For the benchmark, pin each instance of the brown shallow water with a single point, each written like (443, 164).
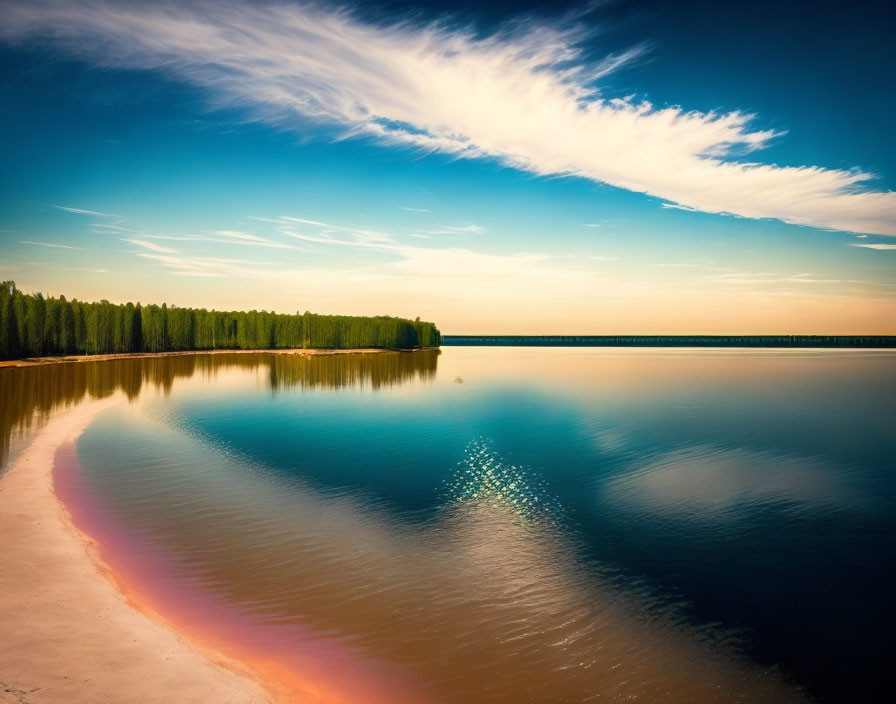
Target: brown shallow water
(364, 529)
(478, 606)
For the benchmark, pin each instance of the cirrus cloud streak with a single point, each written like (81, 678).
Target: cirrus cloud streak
(525, 96)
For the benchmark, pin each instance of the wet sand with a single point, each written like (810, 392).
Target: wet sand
(68, 634)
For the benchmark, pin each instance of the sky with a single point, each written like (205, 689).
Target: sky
(609, 167)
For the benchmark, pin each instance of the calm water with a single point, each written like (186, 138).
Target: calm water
(562, 525)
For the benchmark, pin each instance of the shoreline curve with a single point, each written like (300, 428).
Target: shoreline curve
(71, 636)
(308, 352)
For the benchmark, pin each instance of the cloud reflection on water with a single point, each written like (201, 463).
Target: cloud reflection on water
(709, 483)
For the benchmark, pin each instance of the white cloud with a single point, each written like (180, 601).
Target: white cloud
(678, 206)
(457, 230)
(206, 266)
(416, 210)
(80, 211)
(226, 237)
(325, 233)
(246, 239)
(525, 97)
(408, 269)
(234, 235)
(50, 244)
(756, 280)
(104, 229)
(708, 267)
(152, 246)
(873, 246)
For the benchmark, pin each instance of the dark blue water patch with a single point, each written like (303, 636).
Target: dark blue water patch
(384, 446)
(807, 585)
(400, 449)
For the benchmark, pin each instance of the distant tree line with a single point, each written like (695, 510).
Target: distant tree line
(32, 325)
(670, 340)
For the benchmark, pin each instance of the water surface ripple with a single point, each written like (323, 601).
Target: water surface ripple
(564, 526)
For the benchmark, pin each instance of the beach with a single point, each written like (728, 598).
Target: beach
(70, 359)
(70, 634)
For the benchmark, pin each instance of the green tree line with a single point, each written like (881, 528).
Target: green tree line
(34, 325)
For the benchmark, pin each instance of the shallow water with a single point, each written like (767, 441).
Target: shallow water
(564, 525)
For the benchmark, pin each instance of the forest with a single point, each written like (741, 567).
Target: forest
(34, 325)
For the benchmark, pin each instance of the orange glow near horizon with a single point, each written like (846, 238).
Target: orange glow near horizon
(578, 307)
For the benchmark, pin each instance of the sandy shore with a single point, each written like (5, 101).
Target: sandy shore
(35, 361)
(67, 635)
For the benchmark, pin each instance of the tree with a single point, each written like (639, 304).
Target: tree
(32, 324)
(67, 334)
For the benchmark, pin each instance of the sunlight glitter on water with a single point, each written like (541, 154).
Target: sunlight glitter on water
(484, 477)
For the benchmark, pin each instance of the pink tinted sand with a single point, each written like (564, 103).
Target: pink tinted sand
(93, 611)
(68, 635)
(300, 664)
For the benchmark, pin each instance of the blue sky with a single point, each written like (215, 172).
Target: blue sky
(618, 167)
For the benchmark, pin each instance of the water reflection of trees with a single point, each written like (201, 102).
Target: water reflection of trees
(29, 395)
(336, 371)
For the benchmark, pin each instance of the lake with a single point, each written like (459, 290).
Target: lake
(499, 524)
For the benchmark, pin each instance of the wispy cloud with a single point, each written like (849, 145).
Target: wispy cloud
(524, 96)
(101, 228)
(326, 233)
(873, 246)
(246, 239)
(707, 267)
(407, 266)
(242, 236)
(147, 240)
(81, 211)
(207, 267)
(756, 279)
(50, 244)
(456, 230)
(151, 245)
(226, 237)
(416, 210)
(679, 206)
